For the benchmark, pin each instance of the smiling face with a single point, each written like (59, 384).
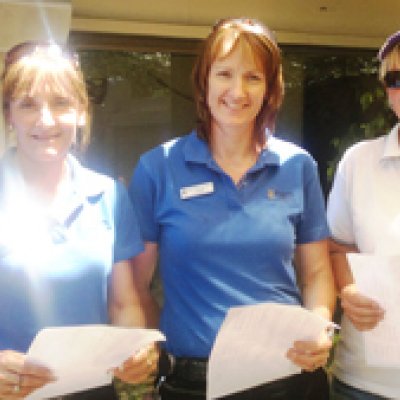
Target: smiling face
(45, 122)
(236, 89)
(44, 101)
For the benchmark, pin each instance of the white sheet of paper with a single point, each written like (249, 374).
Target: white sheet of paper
(251, 346)
(378, 276)
(81, 356)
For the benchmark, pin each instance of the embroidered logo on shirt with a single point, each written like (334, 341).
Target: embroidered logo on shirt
(196, 190)
(273, 194)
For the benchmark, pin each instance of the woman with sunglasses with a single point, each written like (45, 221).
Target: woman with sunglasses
(364, 214)
(66, 233)
(225, 209)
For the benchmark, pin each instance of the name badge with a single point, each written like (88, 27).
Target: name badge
(196, 190)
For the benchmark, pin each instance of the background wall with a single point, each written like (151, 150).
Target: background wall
(340, 23)
(355, 23)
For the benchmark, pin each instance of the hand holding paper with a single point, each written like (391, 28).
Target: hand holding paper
(19, 377)
(311, 354)
(252, 344)
(83, 357)
(139, 366)
(364, 312)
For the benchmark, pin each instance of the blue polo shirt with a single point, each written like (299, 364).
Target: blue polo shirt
(222, 244)
(55, 264)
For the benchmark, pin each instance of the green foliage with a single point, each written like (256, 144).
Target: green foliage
(126, 391)
(343, 103)
(147, 73)
(378, 120)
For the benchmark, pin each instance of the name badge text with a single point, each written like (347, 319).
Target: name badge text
(196, 190)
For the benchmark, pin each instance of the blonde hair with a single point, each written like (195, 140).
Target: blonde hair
(390, 62)
(30, 65)
(225, 37)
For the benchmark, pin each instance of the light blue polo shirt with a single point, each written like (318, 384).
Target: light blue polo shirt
(223, 245)
(54, 267)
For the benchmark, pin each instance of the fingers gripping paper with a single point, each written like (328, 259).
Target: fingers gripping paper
(81, 356)
(251, 346)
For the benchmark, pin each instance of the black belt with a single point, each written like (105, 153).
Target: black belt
(187, 368)
(100, 393)
(190, 369)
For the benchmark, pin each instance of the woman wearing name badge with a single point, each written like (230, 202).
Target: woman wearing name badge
(66, 233)
(225, 209)
(364, 216)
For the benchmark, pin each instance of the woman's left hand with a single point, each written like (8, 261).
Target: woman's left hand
(141, 367)
(311, 355)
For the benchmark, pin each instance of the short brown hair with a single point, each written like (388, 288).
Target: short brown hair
(227, 34)
(29, 64)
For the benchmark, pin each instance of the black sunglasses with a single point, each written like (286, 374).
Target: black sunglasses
(392, 79)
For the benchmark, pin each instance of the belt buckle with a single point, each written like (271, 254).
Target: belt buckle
(166, 363)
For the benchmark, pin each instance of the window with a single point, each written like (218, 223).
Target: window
(333, 99)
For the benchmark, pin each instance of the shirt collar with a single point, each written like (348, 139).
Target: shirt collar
(196, 150)
(391, 147)
(82, 185)
(270, 155)
(84, 181)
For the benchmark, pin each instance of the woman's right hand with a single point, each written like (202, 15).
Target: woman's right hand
(19, 377)
(362, 311)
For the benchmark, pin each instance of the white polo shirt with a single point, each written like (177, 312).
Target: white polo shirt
(364, 209)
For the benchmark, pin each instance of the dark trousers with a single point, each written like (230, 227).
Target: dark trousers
(304, 386)
(341, 391)
(101, 393)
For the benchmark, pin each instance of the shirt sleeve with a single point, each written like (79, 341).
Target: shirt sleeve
(128, 241)
(142, 191)
(313, 224)
(339, 213)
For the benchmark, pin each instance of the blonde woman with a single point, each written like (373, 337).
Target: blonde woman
(66, 233)
(364, 214)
